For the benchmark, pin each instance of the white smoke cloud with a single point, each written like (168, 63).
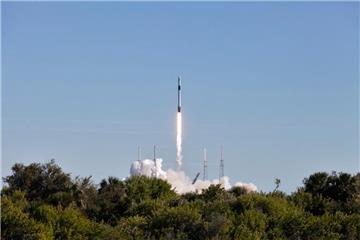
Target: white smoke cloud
(224, 182)
(250, 187)
(178, 179)
(148, 167)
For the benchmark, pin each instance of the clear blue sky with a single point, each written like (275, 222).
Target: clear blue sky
(275, 83)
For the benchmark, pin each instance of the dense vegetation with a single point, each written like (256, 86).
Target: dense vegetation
(40, 201)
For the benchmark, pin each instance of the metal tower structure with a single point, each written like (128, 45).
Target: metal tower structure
(205, 173)
(221, 170)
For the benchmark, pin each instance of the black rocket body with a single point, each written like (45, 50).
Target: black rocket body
(179, 94)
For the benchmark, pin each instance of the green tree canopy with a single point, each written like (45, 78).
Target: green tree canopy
(41, 182)
(40, 201)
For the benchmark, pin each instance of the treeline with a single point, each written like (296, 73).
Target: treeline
(40, 201)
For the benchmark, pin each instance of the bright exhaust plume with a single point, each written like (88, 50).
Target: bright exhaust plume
(179, 140)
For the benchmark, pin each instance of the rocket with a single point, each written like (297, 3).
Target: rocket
(179, 94)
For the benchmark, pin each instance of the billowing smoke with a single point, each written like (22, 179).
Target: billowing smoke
(178, 139)
(249, 187)
(148, 167)
(178, 179)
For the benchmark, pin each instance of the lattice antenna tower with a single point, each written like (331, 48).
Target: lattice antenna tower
(221, 170)
(205, 173)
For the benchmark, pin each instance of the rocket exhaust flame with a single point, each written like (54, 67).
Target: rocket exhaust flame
(178, 139)
(179, 128)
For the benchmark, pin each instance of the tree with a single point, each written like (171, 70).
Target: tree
(39, 201)
(316, 183)
(217, 222)
(41, 182)
(238, 191)
(139, 188)
(72, 224)
(17, 224)
(215, 192)
(322, 227)
(134, 227)
(85, 193)
(251, 225)
(277, 184)
(111, 201)
(340, 187)
(351, 226)
(183, 222)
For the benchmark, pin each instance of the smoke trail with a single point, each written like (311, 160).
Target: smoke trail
(179, 140)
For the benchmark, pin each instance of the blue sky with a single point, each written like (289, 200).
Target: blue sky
(275, 83)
